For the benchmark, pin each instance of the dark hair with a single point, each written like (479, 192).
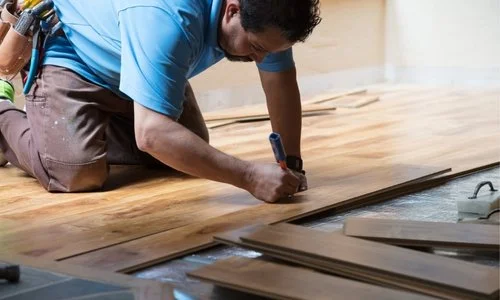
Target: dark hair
(295, 18)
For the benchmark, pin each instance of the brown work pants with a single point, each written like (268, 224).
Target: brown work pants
(73, 129)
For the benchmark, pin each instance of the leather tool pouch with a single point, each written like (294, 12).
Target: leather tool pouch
(15, 49)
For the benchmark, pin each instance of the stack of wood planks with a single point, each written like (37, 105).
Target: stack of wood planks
(364, 260)
(312, 107)
(409, 140)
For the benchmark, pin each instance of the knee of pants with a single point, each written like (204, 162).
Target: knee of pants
(83, 177)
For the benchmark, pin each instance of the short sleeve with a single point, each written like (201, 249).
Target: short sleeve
(277, 62)
(155, 56)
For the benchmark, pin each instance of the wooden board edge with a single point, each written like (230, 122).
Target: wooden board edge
(413, 187)
(138, 267)
(218, 124)
(360, 224)
(409, 187)
(306, 108)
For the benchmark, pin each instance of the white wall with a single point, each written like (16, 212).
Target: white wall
(347, 49)
(443, 41)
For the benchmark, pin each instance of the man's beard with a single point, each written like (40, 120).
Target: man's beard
(236, 58)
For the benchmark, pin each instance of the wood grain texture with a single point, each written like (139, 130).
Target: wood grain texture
(278, 281)
(145, 216)
(357, 256)
(427, 234)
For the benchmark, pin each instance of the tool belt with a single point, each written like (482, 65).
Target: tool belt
(20, 34)
(15, 48)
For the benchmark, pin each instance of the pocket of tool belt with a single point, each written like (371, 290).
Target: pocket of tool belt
(15, 49)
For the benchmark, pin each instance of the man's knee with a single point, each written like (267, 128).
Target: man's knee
(77, 177)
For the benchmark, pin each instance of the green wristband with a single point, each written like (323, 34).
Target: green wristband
(6, 90)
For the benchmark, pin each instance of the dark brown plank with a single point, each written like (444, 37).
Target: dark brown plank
(278, 281)
(402, 264)
(427, 234)
(232, 238)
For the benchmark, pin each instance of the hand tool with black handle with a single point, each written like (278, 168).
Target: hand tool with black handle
(10, 273)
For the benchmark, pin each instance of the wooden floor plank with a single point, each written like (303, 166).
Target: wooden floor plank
(221, 123)
(425, 234)
(441, 273)
(258, 111)
(283, 282)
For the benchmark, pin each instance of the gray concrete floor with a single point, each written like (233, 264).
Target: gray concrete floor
(436, 204)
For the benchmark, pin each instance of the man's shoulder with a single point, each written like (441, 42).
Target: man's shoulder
(189, 15)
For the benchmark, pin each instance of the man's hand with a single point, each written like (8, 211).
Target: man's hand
(269, 183)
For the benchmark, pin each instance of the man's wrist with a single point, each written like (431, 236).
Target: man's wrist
(294, 163)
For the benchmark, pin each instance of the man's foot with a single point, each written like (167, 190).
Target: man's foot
(6, 94)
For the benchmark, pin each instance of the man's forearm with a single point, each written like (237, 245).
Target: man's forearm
(283, 102)
(176, 146)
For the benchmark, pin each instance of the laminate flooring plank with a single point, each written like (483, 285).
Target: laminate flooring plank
(399, 262)
(136, 254)
(305, 114)
(426, 234)
(284, 282)
(258, 111)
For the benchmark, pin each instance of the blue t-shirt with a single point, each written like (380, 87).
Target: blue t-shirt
(144, 50)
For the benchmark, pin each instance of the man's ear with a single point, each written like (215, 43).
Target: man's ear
(232, 10)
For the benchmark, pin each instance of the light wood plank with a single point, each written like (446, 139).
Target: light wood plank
(283, 282)
(217, 124)
(440, 273)
(252, 112)
(426, 234)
